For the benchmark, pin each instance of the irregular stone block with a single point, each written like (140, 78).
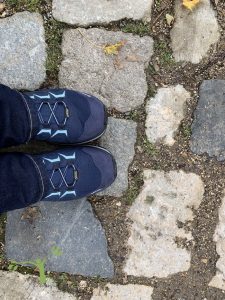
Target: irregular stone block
(71, 226)
(165, 200)
(118, 80)
(194, 32)
(86, 12)
(218, 280)
(119, 139)
(164, 113)
(16, 286)
(208, 128)
(123, 292)
(23, 51)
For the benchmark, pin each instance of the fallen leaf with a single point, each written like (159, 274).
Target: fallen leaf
(169, 19)
(113, 49)
(118, 64)
(204, 260)
(2, 7)
(190, 4)
(132, 58)
(30, 214)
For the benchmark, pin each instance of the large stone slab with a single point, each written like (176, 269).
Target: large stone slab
(119, 80)
(218, 280)
(23, 51)
(71, 226)
(87, 12)
(208, 128)
(119, 139)
(123, 292)
(15, 286)
(165, 200)
(164, 113)
(194, 32)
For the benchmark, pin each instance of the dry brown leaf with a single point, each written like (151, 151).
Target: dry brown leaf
(2, 7)
(132, 58)
(113, 49)
(118, 64)
(190, 4)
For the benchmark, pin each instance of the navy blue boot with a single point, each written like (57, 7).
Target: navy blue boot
(55, 115)
(61, 175)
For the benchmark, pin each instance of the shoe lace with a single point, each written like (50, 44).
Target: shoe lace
(52, 111)
(63, 174)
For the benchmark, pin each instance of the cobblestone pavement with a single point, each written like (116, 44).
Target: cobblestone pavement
(159, 231)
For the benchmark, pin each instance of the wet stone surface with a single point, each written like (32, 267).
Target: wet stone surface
(71, 226)
(208, 128)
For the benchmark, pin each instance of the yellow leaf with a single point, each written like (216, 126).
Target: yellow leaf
(113, 49)
(190, 4)
(169, 19)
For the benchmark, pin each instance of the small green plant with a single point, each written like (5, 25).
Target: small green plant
(53, 32)
(31, 5)
(158, 3)
(164, 53)
(37, 264)
(13, 266)
(134, 115)
(134, 188)
(131, 195)
(186, 130)
(149, 148)
(139, 28)
(149, 199)
(151, 70)
(56, 251)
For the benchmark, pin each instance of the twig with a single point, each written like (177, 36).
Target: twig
(89, 41)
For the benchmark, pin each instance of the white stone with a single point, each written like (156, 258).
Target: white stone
(23, 51)
(165, 200)
(164, 113)
(118, 80)
(87, 12)
(123, 292)
(119, 139)
(218, 280)
(15, 286)
(194, 32)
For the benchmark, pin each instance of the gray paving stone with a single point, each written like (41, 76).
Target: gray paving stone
(218, 281)
(208, 128)
(15, 286)
(194, 32)
(23, 51)
(87, 12)
(71, 226)
(118, 80)
(123, 292)
(120, 138)
(165, 200)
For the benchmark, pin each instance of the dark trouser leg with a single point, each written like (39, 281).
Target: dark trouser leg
(15, 119)
(21, 183)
